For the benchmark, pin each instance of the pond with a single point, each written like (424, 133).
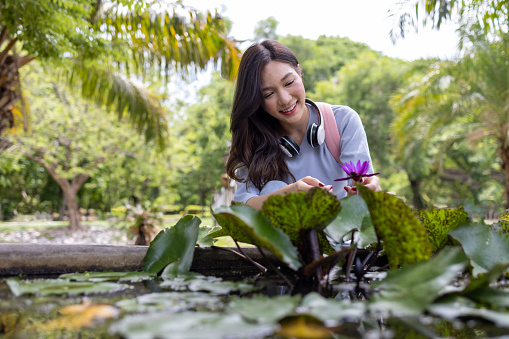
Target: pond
(116, 304)
(385, 271)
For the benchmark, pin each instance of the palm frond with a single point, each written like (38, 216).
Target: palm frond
(129, 100)
(161, 38)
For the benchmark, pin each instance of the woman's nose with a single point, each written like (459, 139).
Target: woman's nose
(285, 97)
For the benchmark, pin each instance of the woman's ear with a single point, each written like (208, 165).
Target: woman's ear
(300, 70)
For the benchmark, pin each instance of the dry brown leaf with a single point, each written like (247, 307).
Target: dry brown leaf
(81, 315)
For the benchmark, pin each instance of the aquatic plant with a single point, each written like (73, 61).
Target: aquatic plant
(404, 238)
(438, 222)
(356, 172)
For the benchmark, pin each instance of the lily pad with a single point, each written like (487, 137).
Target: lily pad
(189, 325)
(108, 276)
(455, 307)
(484, 280)
(265, 310)
(173, 246)
(495, 298)
(354, 215)
(332, 312)
(170, 302)
(221, 287)
(297, 211)
(404, 238)
(411, 289)
(484, 247)
(245, 223)
(214, 285)
(46, 287)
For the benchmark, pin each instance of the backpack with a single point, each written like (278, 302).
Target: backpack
(332, 137)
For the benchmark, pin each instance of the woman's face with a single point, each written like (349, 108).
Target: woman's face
(284, 94)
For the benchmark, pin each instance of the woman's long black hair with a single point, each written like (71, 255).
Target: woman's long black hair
(255, 138)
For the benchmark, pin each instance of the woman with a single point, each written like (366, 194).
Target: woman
(270, 103)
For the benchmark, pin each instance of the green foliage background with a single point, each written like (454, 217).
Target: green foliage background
(424, 131)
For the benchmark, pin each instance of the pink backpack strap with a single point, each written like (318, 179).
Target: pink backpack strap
(332, 137)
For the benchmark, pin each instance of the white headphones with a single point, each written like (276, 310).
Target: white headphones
(315, 135)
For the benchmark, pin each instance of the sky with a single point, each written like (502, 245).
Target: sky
(364, 21)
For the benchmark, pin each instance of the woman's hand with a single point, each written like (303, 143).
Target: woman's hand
(306, 183)
(302, 185)
(373, 183)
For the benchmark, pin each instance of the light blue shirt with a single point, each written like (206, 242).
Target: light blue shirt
(318, 162)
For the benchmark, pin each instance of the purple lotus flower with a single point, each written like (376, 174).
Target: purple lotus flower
(356, 172)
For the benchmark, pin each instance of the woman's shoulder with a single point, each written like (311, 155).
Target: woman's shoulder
(343, 110)
(344, 114)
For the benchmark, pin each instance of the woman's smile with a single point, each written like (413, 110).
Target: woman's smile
(290, 110)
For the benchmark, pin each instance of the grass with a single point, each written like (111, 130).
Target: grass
(7, 226)
(168, 221)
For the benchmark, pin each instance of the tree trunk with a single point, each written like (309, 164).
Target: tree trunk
(74, 212)
(504, 156)
(416, 193)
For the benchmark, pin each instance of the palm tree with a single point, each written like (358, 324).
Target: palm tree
(10, 62)
(472, 92)
(118, 39)
(491, 15)
(108, 48)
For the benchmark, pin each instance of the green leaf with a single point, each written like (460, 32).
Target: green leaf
(495, 298)
(171, 301)
(404, 238)
(484, 247)
(454, 307)
(204, 238)
(301, 211)
(412, 288)
(438, 222)
(265, 310)
(61, 287)
(331, 311)
(484, 280)
(245, 223)
(354, 215)
(189, 325)
(220, 233)
(173, 246)
(108, 276)
(220, 287)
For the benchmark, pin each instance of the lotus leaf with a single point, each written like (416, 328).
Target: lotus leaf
(189, 325)
(354, 215)
(263, 309)
(412, 288)
(108, 276)
(404, 238)
(438, 222)
(483, 246)
(248, 225)
(301, 211)
(173, 248)
(332, 312)
(45, 287)
(455, 307)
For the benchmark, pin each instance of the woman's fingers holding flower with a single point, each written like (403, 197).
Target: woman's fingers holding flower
(373, 183)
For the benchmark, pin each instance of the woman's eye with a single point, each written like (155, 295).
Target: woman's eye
(266, 96)
(291, 82)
